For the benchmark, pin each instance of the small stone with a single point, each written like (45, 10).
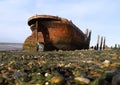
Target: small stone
(19, 74)
(101, 59)
(106, 63)
(38, 73)
(61, 64)
(82, 80)
(11, 62)
(46, 83)
(46, 74)
(68, 65)
(10, 68)
(57, 80)
(93, 67)
(23, 57)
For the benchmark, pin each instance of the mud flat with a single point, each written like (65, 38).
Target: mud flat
(79, 67)
(10, 46)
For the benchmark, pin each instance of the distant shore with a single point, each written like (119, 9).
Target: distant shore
(10, 46)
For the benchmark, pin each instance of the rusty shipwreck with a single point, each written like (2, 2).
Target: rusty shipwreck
(55, 33)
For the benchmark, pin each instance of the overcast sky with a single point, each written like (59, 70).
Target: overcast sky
(101, 16)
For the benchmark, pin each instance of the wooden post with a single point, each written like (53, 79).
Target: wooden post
(104, 43)
(37, 43)
(87, 32)
(101, 44)
(36, 29)
(89, 38)
(97, 46)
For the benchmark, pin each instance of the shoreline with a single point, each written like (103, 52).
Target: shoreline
(10, 46)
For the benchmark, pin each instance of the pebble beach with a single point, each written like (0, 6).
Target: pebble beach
(79, 67)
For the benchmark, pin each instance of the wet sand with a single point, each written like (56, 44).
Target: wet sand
(10, 46)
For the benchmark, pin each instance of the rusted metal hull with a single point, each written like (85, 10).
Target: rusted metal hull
(55, 33)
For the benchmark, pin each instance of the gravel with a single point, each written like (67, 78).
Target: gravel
(59, 67)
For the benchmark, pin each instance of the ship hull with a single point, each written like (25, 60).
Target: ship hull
(55, 34)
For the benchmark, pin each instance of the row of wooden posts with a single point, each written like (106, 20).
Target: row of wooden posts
(117, 46)
(101, 43)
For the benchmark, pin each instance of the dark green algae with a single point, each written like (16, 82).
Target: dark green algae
(31, 68)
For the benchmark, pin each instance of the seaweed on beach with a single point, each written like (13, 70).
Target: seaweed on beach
(79, 67)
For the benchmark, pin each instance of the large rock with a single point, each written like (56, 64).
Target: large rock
(109, 78)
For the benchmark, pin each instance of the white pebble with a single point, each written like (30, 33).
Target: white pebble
(83, 80)
(46, 74)
(106, 62)
(46, 83)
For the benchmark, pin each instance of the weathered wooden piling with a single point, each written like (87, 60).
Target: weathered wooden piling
(104, 43)
(101, 43)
